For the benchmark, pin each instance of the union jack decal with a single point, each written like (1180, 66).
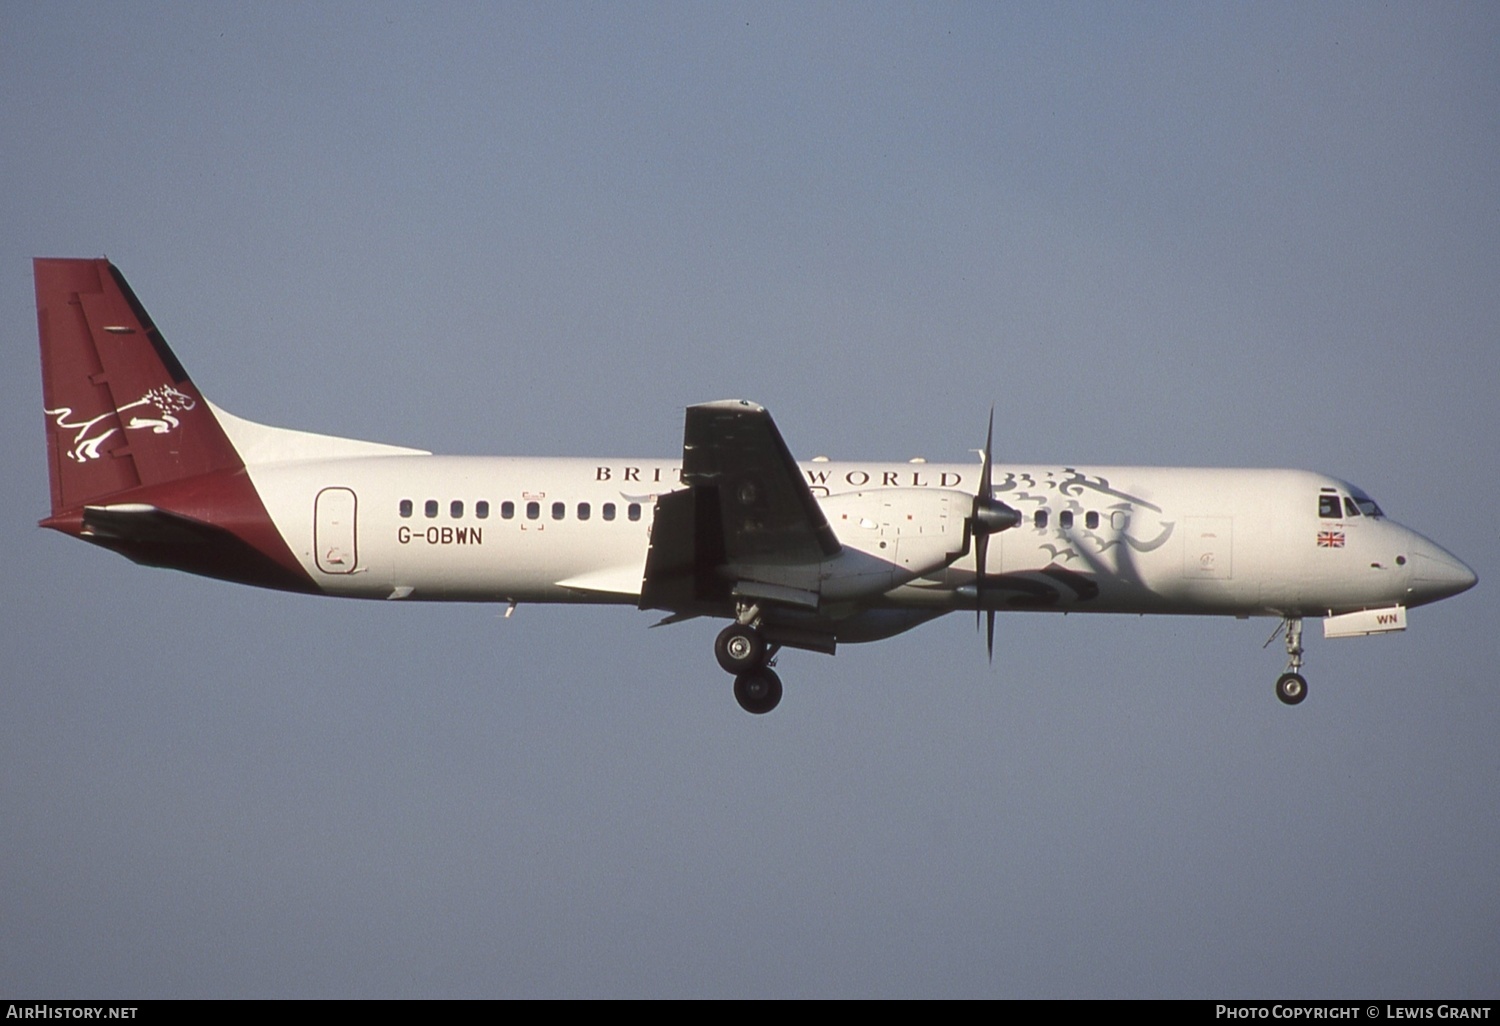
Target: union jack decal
(1330, 539)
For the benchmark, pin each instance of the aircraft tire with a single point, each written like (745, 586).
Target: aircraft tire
(758, 691)
(1291, 688)
(740, 649)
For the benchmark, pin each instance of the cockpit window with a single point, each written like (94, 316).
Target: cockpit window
(1367, 506)
(1328, 507)
(1350, 509)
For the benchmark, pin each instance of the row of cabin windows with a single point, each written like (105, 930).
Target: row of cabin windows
(584, 511)
(1065, 519)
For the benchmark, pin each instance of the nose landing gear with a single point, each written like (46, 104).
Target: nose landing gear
(1291, 687)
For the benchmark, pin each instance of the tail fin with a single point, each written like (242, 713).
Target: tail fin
(138, 459)
(121, 411)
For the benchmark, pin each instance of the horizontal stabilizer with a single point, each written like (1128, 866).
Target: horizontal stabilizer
(139, 522)
(240, 548)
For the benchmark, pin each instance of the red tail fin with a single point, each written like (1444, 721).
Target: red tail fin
(139, 462)
(121, 411)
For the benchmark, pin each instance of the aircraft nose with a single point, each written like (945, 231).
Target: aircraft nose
(1437, 573)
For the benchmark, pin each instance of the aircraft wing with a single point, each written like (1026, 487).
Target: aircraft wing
(768, 513)
(746, 505)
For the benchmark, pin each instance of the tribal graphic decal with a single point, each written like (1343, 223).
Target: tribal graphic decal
(166, 400)
(1082, 518)
(1071, 484)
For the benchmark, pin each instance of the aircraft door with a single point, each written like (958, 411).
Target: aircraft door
(1208, 549)
(334, 534)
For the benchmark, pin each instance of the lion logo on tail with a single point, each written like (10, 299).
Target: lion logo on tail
(164, 399)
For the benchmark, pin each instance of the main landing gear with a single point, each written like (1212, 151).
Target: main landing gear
(742, 650)
(1291, 686)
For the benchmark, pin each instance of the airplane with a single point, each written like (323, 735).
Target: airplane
(801, 555)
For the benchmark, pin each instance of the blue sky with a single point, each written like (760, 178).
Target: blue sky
(1238, 235)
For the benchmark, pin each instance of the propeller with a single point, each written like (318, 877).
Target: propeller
(990, 516)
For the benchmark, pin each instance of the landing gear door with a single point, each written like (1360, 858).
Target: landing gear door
(334, 535)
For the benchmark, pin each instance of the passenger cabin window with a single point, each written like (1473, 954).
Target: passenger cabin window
(533, 510)
(1328, 507)
(406, 507)
(1065, 519)
(583, 511)
(507, 509)
(609, 511)
(482, 509)
(456, 509)
(634, 511)
(1040, 520)
(558, 510)
(1091, 520)
(430, 508)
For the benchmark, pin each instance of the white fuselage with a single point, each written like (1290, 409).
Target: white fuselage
(1139, 539)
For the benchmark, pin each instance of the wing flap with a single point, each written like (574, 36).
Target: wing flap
(778, 593)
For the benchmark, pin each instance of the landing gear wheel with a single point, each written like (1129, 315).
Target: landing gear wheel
(1291, 688)
(758, 691)
(740, 649)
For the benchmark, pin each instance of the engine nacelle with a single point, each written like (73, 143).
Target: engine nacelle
(898, 534)
(888, 537)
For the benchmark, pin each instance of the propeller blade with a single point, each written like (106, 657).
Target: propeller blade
(989, 516)
(989, 449)
(981, 552)
(983, 523)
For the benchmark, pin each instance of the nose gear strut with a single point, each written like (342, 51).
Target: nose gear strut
(1291, 686)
